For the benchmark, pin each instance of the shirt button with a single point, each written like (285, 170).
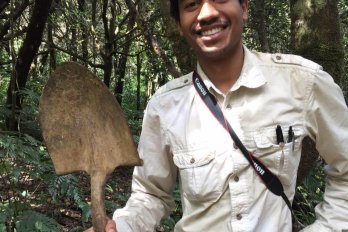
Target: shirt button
(278, 57)
(192, 161)
(229, 106)
(185, 81)
(236, 178)
(239, 217)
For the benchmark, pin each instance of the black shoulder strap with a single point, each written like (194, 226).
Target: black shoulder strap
(271, 181)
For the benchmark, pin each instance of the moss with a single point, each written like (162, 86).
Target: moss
(329, 55)
(303, 9)
(320, 4)
(317, 36)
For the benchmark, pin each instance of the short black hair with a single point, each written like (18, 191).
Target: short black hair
(174, 9)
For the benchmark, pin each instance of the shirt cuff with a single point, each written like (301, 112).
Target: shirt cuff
(122, 225)
(315, 227)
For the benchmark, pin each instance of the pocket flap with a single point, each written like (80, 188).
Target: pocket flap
(193, 159)
(264, 140)
(259, 139)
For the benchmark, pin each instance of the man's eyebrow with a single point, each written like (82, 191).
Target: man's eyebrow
(184, 1)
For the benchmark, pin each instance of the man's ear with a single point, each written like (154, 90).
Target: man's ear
(245, 7)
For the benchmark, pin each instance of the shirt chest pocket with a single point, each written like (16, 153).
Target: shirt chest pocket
(281, 159)
(198, 175)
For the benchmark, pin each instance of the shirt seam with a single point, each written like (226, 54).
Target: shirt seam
(309, 92)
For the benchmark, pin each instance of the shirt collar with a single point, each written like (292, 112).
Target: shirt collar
(251, 75)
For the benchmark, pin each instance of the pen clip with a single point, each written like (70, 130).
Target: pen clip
(291, 137)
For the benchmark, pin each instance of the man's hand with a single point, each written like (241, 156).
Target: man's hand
(110, 227)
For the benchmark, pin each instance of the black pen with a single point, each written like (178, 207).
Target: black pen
(290, 134)
(279, 133)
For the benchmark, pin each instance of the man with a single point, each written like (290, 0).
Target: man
(257, 93)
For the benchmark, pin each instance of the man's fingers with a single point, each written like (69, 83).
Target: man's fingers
(110, 226)
(89, 230)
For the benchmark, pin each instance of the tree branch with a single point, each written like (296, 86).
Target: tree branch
(15, 15)
(152, 41)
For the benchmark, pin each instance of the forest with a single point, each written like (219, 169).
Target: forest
(133, 47)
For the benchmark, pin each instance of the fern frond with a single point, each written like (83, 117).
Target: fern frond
(36, 222)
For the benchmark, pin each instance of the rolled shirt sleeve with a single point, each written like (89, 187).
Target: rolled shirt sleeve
(327, 124)
(153, 182)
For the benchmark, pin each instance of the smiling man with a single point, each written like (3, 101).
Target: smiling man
(214, 30)
(232, 132)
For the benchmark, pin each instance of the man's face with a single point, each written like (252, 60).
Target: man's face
(213, 27)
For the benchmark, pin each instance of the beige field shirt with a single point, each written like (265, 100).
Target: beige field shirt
(219, 189)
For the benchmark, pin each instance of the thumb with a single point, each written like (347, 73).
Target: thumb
(110, 226)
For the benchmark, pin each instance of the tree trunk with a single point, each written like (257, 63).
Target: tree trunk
(316, 35)
(108, 48)
(73, 43)
(84, 30)
(26, 56)
(14, 15)
(122, 61)
(260, 16)
(50, 45)
(152, 41)
(138, 81)
(94, 25)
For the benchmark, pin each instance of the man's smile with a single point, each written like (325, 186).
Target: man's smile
(211, 31)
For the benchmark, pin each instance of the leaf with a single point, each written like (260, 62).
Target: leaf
(2, 228)
(34, 221)
(86, 211)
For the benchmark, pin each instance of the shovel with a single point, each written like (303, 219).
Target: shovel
(84, 129)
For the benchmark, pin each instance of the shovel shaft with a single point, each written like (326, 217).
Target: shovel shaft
(99, 219)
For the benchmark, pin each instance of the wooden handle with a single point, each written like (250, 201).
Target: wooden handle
(99, 219)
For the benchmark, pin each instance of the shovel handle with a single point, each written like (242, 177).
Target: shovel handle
(99, 219)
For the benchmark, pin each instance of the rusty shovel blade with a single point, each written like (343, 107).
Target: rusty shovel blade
(84, 129)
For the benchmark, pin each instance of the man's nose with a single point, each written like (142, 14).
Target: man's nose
(207, 12)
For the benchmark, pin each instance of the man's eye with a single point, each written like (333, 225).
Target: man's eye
(191, 5)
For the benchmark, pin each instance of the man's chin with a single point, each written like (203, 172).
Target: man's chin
(213, 53)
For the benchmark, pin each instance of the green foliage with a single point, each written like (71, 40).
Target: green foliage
(277, 23)
(25, 162)
(9, 212)
(309, 194)
(27, 171)
(34, 221)
(26, 220)
(168, 223)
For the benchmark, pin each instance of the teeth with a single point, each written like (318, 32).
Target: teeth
(212, 31)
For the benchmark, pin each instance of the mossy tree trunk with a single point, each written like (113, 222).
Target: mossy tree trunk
(315, 34)
(24, 60)
(260, 16)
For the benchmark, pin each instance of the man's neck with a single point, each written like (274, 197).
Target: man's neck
(224, 73)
